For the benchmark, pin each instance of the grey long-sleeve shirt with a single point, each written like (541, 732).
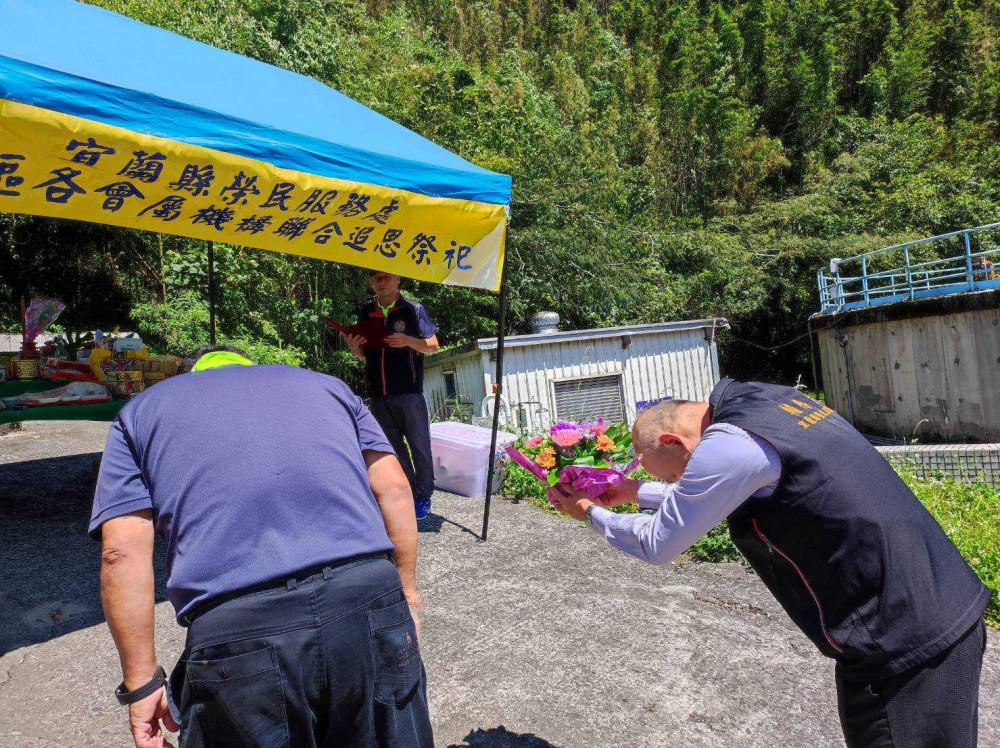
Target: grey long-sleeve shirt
(727, 467)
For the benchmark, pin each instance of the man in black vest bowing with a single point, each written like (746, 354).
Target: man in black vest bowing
(394, 375)
(841, 542)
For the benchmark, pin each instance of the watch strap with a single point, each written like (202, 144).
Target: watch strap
(130, 697)
(589, 515)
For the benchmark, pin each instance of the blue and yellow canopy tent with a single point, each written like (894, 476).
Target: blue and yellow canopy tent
(108, 120)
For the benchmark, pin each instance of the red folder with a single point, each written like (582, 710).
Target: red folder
(373, 332)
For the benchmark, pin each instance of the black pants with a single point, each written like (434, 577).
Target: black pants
(406, 416)
(328, 660)
(933, 705)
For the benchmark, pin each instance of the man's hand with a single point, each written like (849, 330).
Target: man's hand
(416, 610)
(144, 720)
(355, 343)
(626, 492)
(399, 340)
(572, 503)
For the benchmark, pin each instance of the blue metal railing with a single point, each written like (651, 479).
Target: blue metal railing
(891, 274)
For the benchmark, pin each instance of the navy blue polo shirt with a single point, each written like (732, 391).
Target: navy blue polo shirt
(252, 473)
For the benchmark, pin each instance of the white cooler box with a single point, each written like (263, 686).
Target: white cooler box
(461, 454)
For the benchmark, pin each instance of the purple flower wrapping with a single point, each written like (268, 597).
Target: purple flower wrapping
(527, 464)
(590, 480)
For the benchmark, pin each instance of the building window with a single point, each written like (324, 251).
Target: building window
(450, 385)
(589, 399)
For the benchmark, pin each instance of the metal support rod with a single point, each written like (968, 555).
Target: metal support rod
(812, 358)
(501, 327)
(909, 273)
(211, 293)
(970, 276)
(864, 278)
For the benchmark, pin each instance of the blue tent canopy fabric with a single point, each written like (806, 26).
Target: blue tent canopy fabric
(81, 59)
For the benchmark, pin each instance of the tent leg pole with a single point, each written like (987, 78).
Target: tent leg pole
(211, 293)
(501, 327)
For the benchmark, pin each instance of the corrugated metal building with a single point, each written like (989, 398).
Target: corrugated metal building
(577, 374)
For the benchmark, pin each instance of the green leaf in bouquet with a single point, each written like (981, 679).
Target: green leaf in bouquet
(588, 460)
(552, 478)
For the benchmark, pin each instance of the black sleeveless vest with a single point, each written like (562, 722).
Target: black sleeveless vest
(394, 371)
(843, 544)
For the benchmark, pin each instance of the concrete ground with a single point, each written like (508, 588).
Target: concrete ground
(543, 636)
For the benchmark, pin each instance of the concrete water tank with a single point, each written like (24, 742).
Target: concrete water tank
(542, 322)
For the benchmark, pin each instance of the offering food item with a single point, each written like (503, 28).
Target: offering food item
(77, 393)
(124, 382)
(57, 369)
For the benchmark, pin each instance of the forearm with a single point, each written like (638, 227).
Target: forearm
(127, 597)
(359, 354)
(654, 538)
(651, 494)
(426, 346)
(401, 526)
(395, 501)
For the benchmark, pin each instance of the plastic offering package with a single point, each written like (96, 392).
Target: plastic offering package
(461, 456)
(57, 369)
(40, 314)
(77, 393)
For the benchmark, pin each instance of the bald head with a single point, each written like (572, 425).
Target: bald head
(662, 418)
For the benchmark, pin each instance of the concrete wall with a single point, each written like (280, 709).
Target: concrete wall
(899, 372)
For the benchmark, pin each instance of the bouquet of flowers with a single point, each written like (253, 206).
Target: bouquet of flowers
(588, 456)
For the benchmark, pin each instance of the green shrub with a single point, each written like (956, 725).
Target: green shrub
(970, 514)
(181, 325)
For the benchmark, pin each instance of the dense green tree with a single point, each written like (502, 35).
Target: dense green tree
(671, 159)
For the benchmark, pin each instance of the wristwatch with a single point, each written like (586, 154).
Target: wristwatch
(130, 697)
(589, 514)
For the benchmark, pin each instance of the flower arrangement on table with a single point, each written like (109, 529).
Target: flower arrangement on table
(589, 456)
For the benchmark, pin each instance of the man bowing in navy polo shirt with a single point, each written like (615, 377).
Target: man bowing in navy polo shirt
(291, 552)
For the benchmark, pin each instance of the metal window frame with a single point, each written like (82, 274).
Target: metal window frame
(552, 381)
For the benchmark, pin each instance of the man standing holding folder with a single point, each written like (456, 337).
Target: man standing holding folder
(394, 369)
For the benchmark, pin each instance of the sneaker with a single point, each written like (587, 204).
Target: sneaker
(423, 507)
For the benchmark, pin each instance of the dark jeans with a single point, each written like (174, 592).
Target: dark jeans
(933, 705)
(406, 416)
(327, 660)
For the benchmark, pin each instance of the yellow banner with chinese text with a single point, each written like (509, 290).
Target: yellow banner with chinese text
(54, 164)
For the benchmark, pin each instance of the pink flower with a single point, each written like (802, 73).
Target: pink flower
(566, 437)
(534, 441)
(600, 428)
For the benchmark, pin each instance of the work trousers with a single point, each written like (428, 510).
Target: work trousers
(934, 705)
(327, 660)
(406, 423)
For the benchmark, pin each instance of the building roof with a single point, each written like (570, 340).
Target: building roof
(569, 336)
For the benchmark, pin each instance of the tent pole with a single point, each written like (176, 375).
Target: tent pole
(501, 327)
(211, 293)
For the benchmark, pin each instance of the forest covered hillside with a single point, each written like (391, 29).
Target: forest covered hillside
(671, 159)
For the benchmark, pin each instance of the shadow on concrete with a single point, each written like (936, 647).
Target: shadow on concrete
(501, 737)
(434, 522)
(49, 567)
